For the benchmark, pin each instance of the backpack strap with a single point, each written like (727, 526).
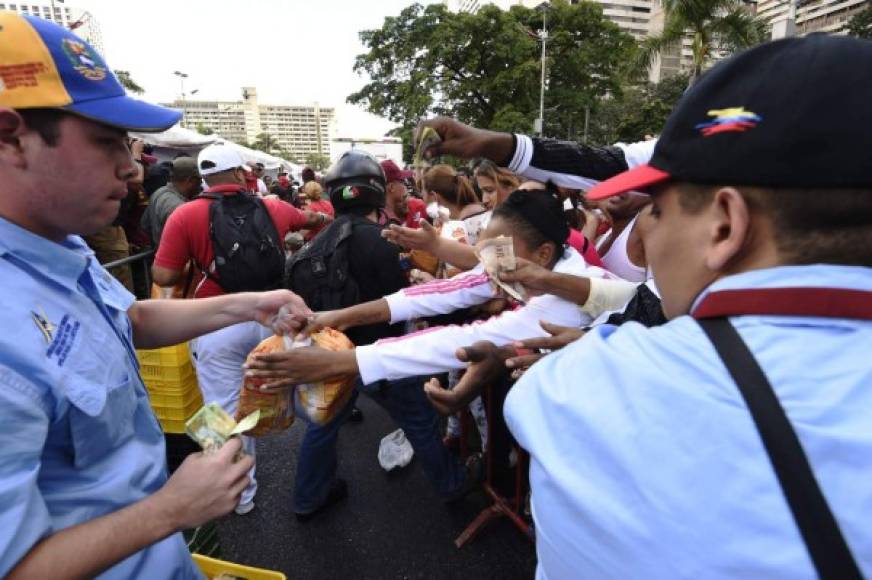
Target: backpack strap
(214, 196)
(266, 224)
(821, 533)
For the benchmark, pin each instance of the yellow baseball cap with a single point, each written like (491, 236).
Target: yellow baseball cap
(43, 65)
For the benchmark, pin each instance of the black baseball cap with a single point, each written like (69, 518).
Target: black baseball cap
(791, 113)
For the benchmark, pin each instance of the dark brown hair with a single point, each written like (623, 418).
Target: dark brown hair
(812, 226)
(46, 122)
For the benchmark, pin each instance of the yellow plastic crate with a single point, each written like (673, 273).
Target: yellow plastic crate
(178, 389)
(176, 426)
(182, 412)
(211, 568)
(174, 399)
(166, 375)
(169, 356)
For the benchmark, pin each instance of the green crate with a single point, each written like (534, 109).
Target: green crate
(169, 356)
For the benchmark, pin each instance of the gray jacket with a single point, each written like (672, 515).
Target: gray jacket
(163, 202)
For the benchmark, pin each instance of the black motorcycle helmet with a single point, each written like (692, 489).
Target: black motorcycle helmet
(355, 180)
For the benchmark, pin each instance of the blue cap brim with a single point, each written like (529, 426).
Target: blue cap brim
(127, 113)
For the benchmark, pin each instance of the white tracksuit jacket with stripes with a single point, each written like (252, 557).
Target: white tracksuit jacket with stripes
(433, 350)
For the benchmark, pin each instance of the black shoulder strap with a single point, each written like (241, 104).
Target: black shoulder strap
(830, 553)
(265, 224)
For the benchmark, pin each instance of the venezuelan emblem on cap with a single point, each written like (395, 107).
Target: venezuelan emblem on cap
(734, 119)
(84, 59)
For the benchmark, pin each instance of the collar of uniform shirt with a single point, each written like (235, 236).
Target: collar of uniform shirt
(811, 276)
(63, 263)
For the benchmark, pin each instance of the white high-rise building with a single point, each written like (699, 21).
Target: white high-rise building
(300, 130)
(829, 16)
(811, 15)
(675, 59)
(80, 21)
(631, 16)
(474, 5)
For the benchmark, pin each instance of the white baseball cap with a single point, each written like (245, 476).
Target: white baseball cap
(220, 157)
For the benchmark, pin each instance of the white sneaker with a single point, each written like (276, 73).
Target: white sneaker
(244, 508)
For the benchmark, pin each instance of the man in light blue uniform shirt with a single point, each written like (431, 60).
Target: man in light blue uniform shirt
(83, 485)
(645, 460)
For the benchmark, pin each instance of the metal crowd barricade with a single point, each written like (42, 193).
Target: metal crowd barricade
(139, 264)
(501, 507)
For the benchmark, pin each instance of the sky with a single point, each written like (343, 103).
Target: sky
(293, 51)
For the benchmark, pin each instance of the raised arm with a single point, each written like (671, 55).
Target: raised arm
(427, 239)
(566, 163)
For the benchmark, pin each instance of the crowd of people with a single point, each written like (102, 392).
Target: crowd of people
(679, 345)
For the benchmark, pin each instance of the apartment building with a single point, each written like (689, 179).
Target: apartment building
(810, 15)
(632, 16)
(298, 129)
(81, 21)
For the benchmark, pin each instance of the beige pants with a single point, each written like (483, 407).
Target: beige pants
(110, 244)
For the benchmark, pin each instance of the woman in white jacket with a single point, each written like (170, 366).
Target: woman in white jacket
(536, 223)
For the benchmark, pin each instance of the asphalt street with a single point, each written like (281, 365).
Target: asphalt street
(391, 526)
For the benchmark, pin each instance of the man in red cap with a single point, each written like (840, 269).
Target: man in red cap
(401, 207)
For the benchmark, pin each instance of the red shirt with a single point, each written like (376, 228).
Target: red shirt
(583, 246)
(417, 213)
(186, 235)
(320, 206)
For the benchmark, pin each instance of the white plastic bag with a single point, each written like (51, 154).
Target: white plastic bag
(395, 451)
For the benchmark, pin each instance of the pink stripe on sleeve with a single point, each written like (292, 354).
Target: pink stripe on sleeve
(444, 287)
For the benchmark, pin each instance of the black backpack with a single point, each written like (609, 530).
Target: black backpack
(248, 252)
(319, 272)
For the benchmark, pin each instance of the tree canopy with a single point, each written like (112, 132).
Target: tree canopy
(317, 162)
(860, 25)
(641, 111)
(712, 25)
(264, 142)
(484, 68)
(127, 82)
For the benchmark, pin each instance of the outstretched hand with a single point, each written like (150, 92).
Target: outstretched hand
(424, 238)
(560, 337)
(282, 310)
(464, 141)
(486, 365)
(533, 277)
(308, 364)
(326, 319)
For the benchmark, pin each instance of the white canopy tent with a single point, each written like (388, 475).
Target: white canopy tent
(168, 144)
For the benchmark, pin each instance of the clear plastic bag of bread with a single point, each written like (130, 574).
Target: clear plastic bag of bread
(316, 403)
(320, 402)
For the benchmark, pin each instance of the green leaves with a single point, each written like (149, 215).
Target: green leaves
(640, 111)
(713, 26)
(127, 82)
(485, 68)
(860, 24)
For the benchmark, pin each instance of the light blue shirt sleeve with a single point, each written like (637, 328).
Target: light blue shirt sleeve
(24, 517)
